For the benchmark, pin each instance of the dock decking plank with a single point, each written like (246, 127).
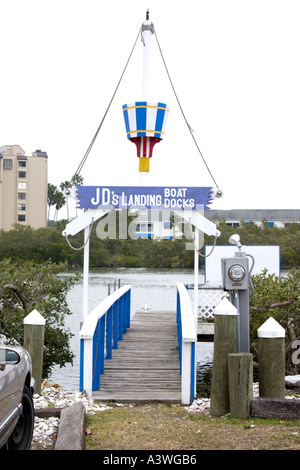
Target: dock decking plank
(145, 367)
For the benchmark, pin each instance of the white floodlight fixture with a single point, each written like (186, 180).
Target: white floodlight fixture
(235, 240)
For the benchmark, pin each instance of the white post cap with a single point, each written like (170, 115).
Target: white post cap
(34, 318)
(271, 329)
(225, 307)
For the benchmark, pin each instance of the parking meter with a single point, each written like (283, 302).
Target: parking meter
(236, 279)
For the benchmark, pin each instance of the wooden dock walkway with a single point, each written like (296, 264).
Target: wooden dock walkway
(145, 367)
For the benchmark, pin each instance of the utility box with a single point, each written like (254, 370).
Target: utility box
(235, 272)
(236, 278)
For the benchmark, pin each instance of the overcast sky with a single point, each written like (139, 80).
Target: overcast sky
(234, 65)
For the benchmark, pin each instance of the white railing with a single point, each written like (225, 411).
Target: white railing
(187, 340)
(99, 335)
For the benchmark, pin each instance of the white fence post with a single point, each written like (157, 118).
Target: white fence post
(188, 335)
(88, 366)
(34, 330)
(271, 359)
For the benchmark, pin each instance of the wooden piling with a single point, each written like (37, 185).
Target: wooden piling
(34, 326)
(225, 342)
(271, 359)
(240, 377)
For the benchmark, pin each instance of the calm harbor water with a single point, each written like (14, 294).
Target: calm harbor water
(156, 288)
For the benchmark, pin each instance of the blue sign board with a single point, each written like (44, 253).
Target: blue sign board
(143, 197)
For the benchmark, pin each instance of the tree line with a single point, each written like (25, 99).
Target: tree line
(23, 243)
(147, 253)
(252, 234)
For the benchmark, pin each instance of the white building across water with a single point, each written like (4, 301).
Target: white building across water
(281, 218)
(161, 224)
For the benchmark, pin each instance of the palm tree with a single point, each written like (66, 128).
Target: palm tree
(60, 201)
(65, 187)
(77, 180)
(51, 197)
(55, 198)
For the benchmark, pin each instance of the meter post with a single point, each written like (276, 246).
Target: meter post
(235, 275)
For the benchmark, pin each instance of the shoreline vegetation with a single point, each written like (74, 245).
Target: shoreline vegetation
(23, 243)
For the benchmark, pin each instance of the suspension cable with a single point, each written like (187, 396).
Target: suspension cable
(194, 242)
(177, 99)
(105, 114)
(86, 241)
(188, 126)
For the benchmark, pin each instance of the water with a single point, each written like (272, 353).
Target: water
(157, 288)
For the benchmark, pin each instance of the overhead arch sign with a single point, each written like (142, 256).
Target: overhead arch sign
(144, 197)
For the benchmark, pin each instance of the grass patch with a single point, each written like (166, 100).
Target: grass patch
(162, 427)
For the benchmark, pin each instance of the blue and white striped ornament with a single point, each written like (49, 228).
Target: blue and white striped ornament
(143, 119)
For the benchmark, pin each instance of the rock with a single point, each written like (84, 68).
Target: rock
(292, 381)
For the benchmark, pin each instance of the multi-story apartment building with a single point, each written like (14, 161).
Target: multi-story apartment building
(23, 187)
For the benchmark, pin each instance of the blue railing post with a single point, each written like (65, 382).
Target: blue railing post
(179, 330)
(115, 324)
(109, 334)
(81, 371)
(193, 370)
(96, 357)
(120, 321)
(102, 343)
(124, 323)
(127, 306)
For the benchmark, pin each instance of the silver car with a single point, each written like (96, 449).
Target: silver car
(16, 403)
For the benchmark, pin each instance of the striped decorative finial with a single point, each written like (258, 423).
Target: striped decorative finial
(145, 126)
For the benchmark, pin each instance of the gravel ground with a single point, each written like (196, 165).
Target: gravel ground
(53, 396)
